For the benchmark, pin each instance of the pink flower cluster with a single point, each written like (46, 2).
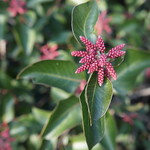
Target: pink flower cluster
(102, 24)
(95, 58)
(5, 139)
(16, 7)
(49, 51)
(129, 118)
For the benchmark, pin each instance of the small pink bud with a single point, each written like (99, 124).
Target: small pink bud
(100, 76)
(88, 58)
(111, 70)
(89, 45)
(100, 44)
(82, 68)
(79, 53)
(102, 60)
(93, 67)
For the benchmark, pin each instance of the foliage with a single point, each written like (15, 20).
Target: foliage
(39, 100)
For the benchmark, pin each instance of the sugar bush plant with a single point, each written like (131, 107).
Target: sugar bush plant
(50, 98)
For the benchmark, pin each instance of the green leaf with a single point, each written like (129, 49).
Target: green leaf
(24, 125)
(78, 142)
(84, 17)
(63, 55)
(7, 108)
(3, 20)
(93, 133)
(17, 131)
(33, 3)
(135, 62)
(98, 98)
(40, 115)
(5, 80)
(109, 140)
(48, 144)
(62, 37)
(58, 97)
(55, 73)
(25, 37)
(76, 2)
(65, 116)
(30, 17)
(118, 61)
(4, 7)
(35, 141)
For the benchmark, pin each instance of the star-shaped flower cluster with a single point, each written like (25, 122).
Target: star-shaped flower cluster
(102, 23)
(17, 7)
(5, 139)
(49, 51)
(96, 59)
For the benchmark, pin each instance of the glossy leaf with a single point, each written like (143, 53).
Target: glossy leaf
(58, 97)
(135, 62)
(84, 17)
(63, 55)
(24, 126)
(25, 37)
(62, 38)
(98, 98)
(3, 20)
(77, 2)
(78, 142)
(7, 108)
(30, 18)
(33, 3)
(3, 7)
(109, 140)
(65, 116)
(40, 115)
(118, 61)
(17, 131)
(55, 73)
(95, 132)
(48, 144)
(5, 80)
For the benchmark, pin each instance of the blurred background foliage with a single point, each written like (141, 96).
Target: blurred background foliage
(26, 107)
